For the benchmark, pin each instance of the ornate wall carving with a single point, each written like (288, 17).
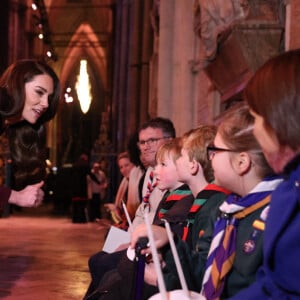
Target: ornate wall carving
(244, 34)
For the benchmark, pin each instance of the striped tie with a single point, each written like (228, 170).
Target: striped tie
(223, 257)
(150, 187)
(222, 250)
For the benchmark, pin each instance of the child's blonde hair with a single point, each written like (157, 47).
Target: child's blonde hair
(195, 143)
(171, 148)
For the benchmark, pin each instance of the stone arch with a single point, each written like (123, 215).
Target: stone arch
(84, 43)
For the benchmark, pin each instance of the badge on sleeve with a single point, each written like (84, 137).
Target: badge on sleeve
(249, 246)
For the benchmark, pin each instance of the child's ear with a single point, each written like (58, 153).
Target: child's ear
(243, 163)
(194, 167)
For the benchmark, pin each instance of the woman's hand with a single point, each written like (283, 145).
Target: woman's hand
(30, 196)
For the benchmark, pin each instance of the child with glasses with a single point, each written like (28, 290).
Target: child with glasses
(235, 253)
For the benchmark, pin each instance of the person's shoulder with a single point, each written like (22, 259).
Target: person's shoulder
(213, 193)
(217, 189)
(136, 172)
(180, 209)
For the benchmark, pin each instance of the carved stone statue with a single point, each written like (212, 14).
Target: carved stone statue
(216, 17)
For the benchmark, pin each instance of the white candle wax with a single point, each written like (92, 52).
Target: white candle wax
(127, 216)
(176, 259)
(160, 279)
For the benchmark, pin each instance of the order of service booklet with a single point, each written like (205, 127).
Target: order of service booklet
(115, 238)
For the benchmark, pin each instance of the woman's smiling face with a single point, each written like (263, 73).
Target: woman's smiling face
(37, 92)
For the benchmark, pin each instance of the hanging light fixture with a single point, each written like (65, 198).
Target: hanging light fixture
(83, 87)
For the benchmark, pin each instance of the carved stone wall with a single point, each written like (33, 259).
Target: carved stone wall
(246, 49)
(244, 46)
(294, 24)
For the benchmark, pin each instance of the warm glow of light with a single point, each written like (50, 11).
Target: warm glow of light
(83, 87)
(68, 97)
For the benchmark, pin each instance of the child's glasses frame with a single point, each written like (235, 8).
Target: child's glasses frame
(212, 150)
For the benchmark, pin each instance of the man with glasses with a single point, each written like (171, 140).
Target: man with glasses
(152, 135)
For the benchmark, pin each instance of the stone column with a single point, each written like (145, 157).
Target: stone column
(140, 50)
(177, 83)
(120, 103)
(131, 62)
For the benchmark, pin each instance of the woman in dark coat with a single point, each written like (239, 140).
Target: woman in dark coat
(29, 95)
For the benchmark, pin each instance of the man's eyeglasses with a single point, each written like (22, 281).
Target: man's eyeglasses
(151, 142)
(211, 151)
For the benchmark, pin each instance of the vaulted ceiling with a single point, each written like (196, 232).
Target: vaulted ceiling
(81, 29)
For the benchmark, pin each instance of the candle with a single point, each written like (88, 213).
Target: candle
(127, 216)
(160, 279)
(176, 259)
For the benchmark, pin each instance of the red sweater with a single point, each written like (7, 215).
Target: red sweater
(4, 196)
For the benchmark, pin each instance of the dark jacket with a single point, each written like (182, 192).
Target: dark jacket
(190, 259)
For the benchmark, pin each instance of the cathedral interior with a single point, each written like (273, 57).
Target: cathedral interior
(184, 60)
(144, 59)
